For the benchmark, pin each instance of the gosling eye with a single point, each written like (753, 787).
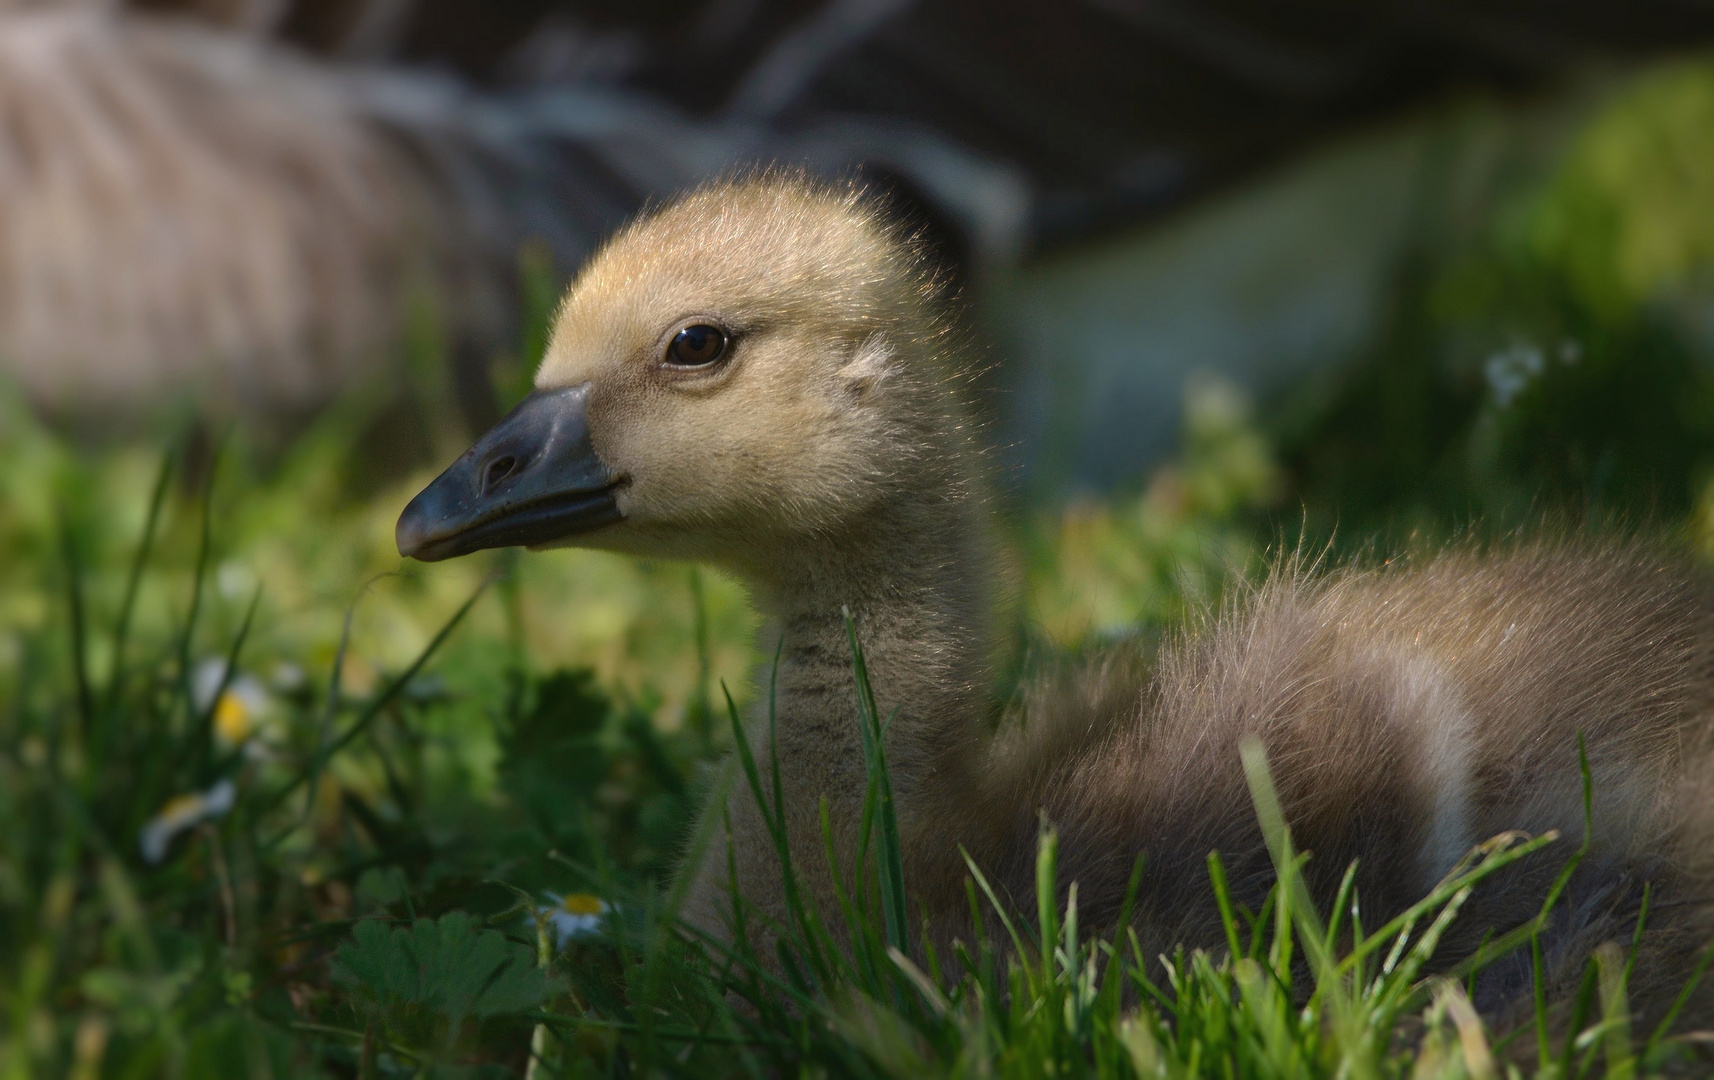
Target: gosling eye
(697, 346)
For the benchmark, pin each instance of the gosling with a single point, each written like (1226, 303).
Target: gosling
(763, 376)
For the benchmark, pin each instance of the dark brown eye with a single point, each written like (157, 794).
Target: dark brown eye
(697, 345)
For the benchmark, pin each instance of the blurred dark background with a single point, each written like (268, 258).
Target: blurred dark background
(1108, 111)
(249, 204)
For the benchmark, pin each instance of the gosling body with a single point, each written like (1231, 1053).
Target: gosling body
(761, 376)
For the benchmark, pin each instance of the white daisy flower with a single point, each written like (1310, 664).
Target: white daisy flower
(242, 706)
(574, 915)
(182, 813)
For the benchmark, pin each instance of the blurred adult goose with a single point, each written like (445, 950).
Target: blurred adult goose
(761, 376)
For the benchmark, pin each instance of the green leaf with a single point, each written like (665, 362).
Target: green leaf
(424, 981)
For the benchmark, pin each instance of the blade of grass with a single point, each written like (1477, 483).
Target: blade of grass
(368, 714)
(201, 741)
(1637, 932)
(330, 704)
(999, 910)
(398, 684)
(865, 966)
(1615, 1011)
(199, 578)
(702, 708)
(1443, 892)
(775, 821)
(1651, 1048)
(1297, 906)
(1473, 1043)
(1112, 974)
(890, 869)
(1047, 901)
(79, 636)
(1537, 966)
(1223, 899)
(1582, 1004)
(134, 581)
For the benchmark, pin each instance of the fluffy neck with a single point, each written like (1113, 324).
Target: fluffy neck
(917, 581)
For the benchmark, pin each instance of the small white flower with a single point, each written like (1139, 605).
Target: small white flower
(1510, 371)
(242, 706)
(182, 813)
(574, 915)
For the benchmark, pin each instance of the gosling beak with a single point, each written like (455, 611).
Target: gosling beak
(531, 479)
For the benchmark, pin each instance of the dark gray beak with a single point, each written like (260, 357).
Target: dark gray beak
(533, 478)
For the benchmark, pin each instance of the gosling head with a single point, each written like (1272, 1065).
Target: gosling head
(755, 367)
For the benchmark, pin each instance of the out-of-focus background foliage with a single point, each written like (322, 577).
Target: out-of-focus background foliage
(1249, 276)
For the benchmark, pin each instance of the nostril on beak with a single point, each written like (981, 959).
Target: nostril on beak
(498, 470)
